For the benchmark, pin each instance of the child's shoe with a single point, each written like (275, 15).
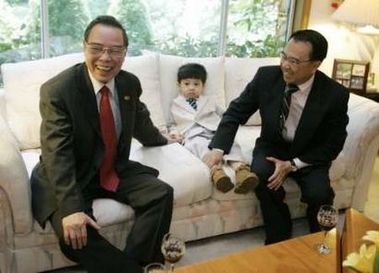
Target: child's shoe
(245, 180)
(220, 180)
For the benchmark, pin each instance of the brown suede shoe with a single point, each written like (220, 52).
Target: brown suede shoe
(245, 180)
(220, 180)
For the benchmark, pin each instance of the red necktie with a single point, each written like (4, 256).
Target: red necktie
(108, 176)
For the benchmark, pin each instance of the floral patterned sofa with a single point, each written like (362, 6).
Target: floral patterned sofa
(199, 210)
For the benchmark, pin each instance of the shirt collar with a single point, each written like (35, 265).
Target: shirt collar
(181, 95)
(98, 85)
(306, 87)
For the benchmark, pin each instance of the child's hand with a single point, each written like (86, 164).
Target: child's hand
(172, 138)
(213, 158)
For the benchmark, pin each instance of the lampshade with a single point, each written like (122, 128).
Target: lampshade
(364, 14)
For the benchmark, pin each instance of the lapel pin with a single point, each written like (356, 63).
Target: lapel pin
(127, 98)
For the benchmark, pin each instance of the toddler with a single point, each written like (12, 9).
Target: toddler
(195, 118)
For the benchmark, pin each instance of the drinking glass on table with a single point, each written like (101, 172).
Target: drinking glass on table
(173, 249)
(327, 219)
(154, 268)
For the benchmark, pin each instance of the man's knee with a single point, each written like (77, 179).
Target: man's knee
(321, 196)
(169, 194)
(167, 189)
(263, 171)
(162, 192)
(264, 194)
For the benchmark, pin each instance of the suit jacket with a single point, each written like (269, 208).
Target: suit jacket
(207, 115)
(71, 143)
(321, 131)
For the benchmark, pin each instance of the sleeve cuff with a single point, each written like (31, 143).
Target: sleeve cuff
(300, 164)
(218, 150)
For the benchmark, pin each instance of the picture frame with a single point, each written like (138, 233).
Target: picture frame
(352, 74)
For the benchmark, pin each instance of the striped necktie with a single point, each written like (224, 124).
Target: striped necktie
(192, 102)
(286, 103)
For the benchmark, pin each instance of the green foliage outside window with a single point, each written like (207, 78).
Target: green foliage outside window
(133, 16)
(8, 29)
(256, 28)
(67, 22)
(15, 2)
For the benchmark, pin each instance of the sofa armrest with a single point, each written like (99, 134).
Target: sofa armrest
(361, 146)
(14, 184)
(2, 103)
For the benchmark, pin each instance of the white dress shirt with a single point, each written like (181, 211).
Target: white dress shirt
(298, 100)
(113, 99)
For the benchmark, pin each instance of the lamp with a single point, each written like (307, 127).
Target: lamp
(364, 14)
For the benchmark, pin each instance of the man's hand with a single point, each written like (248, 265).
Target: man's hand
(172, 138)
(282, 168)
(213, 158)
(75, 229)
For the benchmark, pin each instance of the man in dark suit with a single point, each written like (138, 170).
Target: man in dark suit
(301, 142)
(90, 113)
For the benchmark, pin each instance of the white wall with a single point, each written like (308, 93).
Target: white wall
(344, 42)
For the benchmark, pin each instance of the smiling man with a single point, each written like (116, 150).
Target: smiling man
(304, 119)
(90, 113)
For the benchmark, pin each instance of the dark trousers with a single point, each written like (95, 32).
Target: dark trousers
(152, 201)
(315, 189)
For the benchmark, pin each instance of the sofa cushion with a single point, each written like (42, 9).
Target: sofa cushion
(147, 70)
(189, 177)
(109, 212)
(106, 211)
(22, 82)
(238, 73)
(186, 173)
(168, 68)
(183, 171)
(21, 90)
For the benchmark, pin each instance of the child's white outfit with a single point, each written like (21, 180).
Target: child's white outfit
(198, 126)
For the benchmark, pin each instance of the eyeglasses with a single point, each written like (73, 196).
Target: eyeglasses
(292, 61)
(97, 50)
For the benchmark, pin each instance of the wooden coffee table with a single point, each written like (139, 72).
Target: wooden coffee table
(356, 225)
(298, 255)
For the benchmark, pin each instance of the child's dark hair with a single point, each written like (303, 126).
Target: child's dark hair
(192, 71)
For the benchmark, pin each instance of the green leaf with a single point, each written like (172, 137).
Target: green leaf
(376, 261)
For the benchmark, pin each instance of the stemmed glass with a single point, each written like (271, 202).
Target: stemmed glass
(173, 249)
(154, 268)
(327, 219)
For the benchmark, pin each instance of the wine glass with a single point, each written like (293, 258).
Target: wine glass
(173, 249)
(154, 268)
(327, 218)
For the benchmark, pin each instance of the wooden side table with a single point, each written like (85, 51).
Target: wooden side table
(355, 227)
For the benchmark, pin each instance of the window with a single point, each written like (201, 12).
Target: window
(33, 29)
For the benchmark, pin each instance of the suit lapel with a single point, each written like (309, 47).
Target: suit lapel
(125, 100)
(273, 104)
(311, 115)
(202, 101)
(87, 94)
(182, 102)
